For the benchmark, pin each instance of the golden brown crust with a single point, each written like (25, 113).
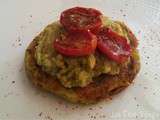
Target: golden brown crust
(107, 86)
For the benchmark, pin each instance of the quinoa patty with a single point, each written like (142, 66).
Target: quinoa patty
(103, 87)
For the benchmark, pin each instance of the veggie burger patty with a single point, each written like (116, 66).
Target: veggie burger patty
(101, 59)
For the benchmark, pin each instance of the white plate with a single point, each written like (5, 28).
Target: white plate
(22, 20)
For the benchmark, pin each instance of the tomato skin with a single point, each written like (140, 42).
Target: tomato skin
(79, 18)
(76, 44)
(113, 45)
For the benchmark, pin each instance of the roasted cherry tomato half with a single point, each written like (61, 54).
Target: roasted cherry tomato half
(76, 44)
(113, 45)
(79, 18)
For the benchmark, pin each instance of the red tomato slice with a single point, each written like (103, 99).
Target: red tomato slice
(79, 18)
(113, 45)
(76, 44)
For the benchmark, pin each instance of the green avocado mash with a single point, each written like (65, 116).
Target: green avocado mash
(71, 71)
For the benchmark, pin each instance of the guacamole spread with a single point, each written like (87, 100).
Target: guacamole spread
(74, 71)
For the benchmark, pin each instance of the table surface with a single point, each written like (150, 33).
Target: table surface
(22, 20)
